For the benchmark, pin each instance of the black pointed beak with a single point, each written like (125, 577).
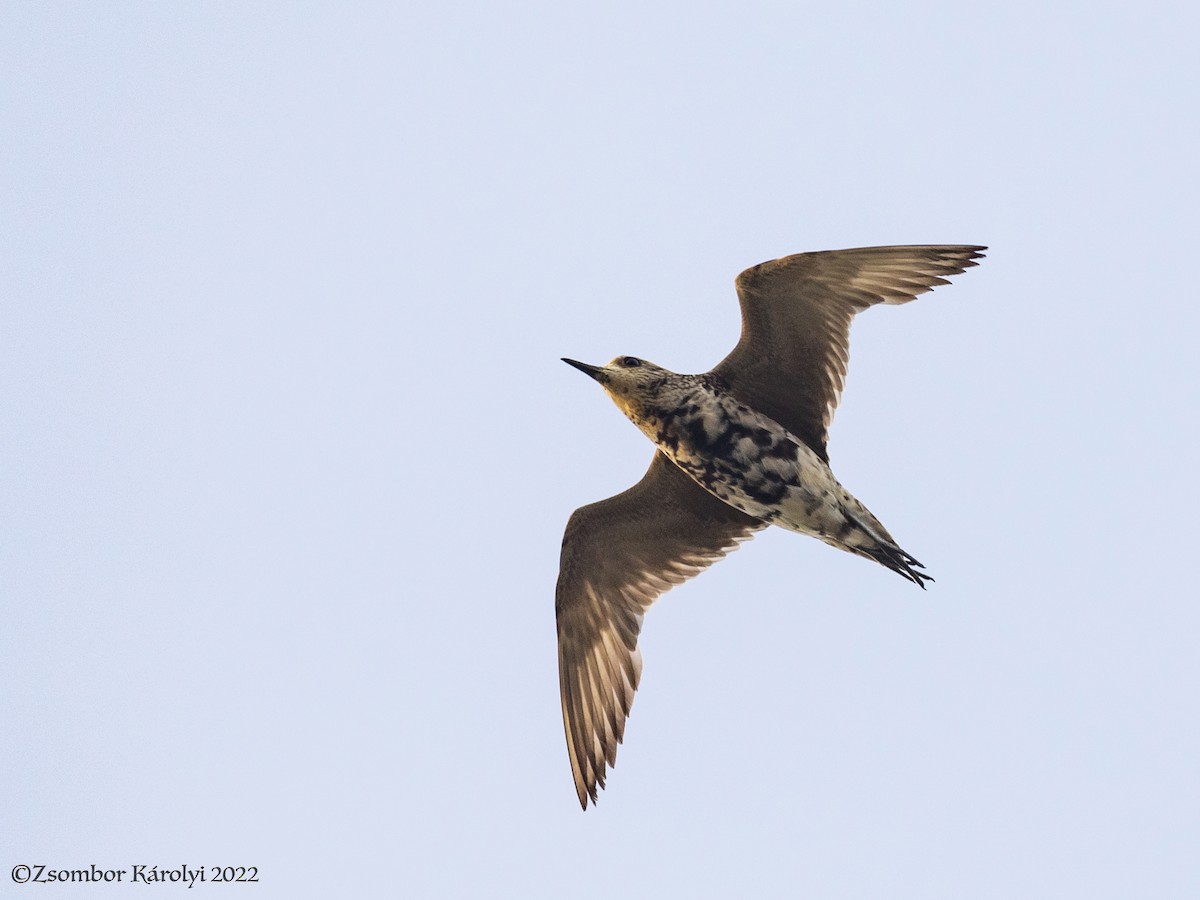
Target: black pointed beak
(594, 371)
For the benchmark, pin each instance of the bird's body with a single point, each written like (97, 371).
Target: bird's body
(754, 464)
(739, 448)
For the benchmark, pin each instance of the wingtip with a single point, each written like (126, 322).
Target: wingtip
(585, 792)
(960, 256)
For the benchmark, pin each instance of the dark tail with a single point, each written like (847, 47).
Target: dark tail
(863, 534)
(898, 561)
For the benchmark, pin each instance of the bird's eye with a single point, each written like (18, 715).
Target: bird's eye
(631, 362)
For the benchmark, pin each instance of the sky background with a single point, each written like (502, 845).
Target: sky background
(287, 450)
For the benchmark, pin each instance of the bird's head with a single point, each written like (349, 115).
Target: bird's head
(634, 384)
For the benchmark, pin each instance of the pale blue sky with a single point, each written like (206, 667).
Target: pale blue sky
(288, 449)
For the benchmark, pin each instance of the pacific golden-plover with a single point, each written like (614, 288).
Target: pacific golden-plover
(738, 448)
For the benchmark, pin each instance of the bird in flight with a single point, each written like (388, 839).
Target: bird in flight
(738, 448)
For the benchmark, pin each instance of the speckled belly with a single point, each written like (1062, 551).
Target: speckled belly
(752, 463)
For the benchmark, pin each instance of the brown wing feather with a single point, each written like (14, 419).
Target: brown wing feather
(618, 556)
(791, 360)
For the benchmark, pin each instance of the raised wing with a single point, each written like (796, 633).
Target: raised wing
(618, 556)
(790, 363)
